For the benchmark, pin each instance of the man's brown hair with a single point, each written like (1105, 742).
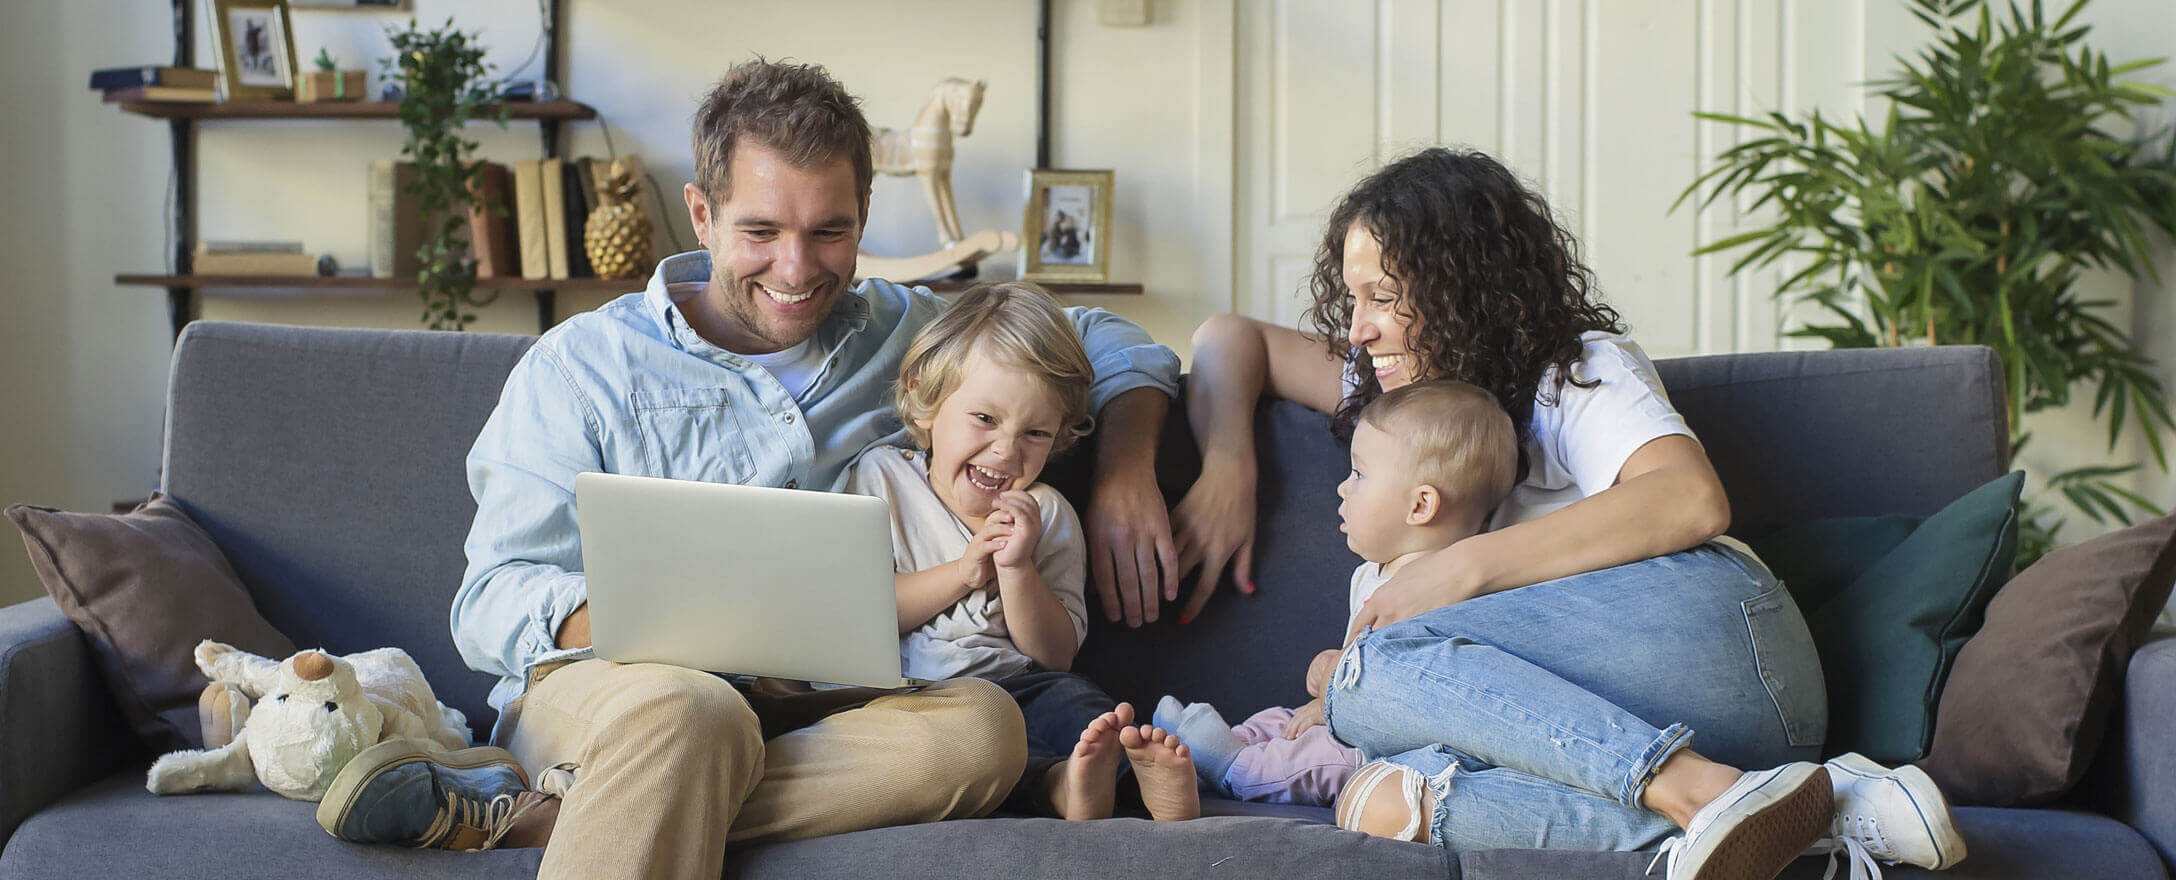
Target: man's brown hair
(797, 110)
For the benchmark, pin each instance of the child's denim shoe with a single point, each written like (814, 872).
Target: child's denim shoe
(402, 792)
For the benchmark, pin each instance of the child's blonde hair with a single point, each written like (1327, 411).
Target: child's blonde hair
(1014, 323)
(1460, 439)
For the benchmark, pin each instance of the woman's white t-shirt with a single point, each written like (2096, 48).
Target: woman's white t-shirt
(1579, 438)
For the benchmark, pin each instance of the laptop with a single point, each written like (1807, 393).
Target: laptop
(742, 580)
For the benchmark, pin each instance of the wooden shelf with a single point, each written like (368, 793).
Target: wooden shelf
(360, 284)
(332, 110)
(1058, 288)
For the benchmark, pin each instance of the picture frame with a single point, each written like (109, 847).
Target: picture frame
(254, 41)
(1066, 229)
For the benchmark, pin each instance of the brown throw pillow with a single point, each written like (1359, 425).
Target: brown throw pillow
(2029, 701)
(146, 586)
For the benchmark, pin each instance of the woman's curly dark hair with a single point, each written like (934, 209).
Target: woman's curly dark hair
(1495, 285)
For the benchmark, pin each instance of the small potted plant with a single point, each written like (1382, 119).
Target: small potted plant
(328, 82)
(444, 84)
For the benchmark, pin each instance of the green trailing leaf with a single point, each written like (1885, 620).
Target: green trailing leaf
(1966, 215)
(443, 88)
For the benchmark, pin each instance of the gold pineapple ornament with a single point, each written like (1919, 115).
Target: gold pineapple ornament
(617, 236)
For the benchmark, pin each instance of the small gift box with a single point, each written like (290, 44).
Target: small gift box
(330, 85)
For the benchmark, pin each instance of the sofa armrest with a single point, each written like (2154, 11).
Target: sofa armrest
(59, 728)
(2146, 794)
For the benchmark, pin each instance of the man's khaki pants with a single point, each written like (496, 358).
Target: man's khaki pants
(659, 768)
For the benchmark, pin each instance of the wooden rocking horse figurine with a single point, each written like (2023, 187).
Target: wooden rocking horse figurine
(925, 151)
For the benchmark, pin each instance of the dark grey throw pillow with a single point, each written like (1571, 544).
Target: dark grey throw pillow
(146, 586)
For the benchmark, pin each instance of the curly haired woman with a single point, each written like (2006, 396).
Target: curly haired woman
(1540, 684)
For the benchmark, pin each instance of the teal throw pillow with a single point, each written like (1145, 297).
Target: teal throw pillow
(1819, 558)
(1887, 639)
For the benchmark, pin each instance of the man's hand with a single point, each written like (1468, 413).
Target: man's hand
(1423, 585)
(1019, 520)
(1309, 715)
(1130, 557)
(1129, 530)
(1213, 527)
(1319, 671)
(574, 631)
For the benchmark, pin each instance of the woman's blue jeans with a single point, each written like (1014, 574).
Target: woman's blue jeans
(1539, 714)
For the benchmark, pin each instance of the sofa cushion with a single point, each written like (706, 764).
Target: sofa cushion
(2027, 706)
(329, 464)
(116, 829)
(1887, 639)
(146, 586)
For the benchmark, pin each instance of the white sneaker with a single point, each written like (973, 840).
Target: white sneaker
(1755, 827)
(1896, 816)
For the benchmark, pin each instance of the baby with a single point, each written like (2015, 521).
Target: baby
(992, 564)
(1430, 461)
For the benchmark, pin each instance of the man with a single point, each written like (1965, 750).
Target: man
(750, 362)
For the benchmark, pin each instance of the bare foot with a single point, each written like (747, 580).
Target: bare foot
(1165, 769)
(1084, 785)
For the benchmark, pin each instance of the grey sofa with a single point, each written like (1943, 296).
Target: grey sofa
(328, 465)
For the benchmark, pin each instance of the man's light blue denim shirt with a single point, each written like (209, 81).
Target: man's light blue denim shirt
(630, 389)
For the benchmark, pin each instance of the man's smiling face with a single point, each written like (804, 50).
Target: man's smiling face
(782, 248)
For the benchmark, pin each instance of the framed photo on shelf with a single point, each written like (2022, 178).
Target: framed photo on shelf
(255, 42)
(1066, 234)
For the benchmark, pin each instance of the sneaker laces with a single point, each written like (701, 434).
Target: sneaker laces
(1670, 850)
(1863, 865)
(494, 817)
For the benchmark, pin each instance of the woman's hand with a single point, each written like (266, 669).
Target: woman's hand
(1309, 715)
(1423, 585)
(1213, 528)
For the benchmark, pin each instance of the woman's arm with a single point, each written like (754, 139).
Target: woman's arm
(1667, 498)
(1236, 360)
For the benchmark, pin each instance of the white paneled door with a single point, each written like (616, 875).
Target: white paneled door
(1590, 101)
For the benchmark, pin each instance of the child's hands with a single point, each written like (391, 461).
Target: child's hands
(1319, 671)
(976, 567)
(1021, 520)
(1304, 717)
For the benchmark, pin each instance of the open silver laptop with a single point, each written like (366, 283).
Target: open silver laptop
(740, 579)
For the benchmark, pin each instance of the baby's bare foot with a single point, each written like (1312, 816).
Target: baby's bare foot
(1165, 769)
(1084, 786)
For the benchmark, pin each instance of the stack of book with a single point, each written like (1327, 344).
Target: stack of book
(252, 258)
(526, 221)
(154, 83)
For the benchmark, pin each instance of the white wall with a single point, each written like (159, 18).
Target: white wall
(86, 359)
(1228, 134)
(1592, 101)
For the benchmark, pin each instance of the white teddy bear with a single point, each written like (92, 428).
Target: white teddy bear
(314, 712)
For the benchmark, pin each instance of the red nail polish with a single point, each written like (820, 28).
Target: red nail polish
(1186, 620)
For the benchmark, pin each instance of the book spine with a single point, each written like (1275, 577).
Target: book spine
(555, 218)
(124, 77)
(529, 218)
(381, 219)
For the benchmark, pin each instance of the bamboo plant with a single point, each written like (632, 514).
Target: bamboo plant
(2006, 167)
